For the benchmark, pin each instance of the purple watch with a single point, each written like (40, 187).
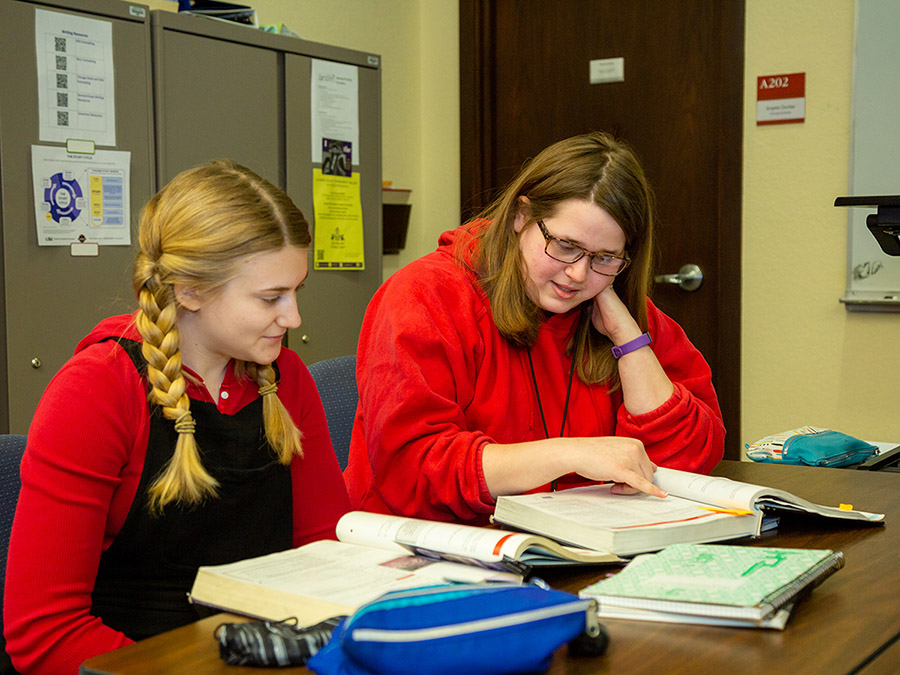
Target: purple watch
(641, 341)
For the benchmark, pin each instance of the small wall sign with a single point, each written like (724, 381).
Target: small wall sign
(781, 99)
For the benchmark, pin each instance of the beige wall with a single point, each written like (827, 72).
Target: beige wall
(805, 359)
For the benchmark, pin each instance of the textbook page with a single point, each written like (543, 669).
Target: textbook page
(601, 508)
(393, 532)
(462, 542)
(732, 494)
(323, 579)
(344, 573)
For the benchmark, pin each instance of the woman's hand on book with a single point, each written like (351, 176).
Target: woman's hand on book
(518, 467)
(620, 460)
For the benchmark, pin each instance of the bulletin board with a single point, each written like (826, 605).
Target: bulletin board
(873, 277)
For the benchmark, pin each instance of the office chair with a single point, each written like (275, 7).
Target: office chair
(336, 381)
(11, 448)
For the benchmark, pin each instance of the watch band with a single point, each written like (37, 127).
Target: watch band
(641, 341)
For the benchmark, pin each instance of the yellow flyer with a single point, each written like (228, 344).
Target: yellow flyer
(338, 222)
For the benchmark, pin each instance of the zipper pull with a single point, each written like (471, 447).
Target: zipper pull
(592, 621)
(595, 638)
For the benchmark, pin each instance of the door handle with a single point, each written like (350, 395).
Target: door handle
(689, 278)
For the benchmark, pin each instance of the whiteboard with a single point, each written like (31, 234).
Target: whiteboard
(873, 277)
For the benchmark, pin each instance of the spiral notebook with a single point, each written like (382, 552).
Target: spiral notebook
(730, 585)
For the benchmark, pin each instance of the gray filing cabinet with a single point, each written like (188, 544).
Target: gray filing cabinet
(224, 90)
(49, 299)
(188, 89)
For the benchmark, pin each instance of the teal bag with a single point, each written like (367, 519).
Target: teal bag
(476, 629)
(811, 446)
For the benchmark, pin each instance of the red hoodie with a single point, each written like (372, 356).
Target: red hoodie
(80, 471)
(438, 382)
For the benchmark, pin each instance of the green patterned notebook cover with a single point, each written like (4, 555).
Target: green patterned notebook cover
(738, 576)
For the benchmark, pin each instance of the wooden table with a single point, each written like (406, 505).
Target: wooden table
(851, 623)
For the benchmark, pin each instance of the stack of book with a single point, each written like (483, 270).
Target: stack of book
(742, 586)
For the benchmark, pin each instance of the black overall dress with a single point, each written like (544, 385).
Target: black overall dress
(146, 573)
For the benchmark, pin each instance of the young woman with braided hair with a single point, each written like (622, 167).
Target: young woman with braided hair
(178, 436)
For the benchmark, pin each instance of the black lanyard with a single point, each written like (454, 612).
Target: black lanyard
(537, 393)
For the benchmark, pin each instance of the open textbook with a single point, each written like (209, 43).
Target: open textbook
(732, 494)
(483, 546)
(375, 554)
(323, 579)
(698, 509)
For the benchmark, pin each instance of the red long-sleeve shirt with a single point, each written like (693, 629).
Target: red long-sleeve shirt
(80, 472)
(437, 382)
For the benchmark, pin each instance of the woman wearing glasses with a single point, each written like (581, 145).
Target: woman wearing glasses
(525, 355)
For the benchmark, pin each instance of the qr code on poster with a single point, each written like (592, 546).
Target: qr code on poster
(59, 44)
(62, 118)
(62, 99)
(61, 63)
(62, 81)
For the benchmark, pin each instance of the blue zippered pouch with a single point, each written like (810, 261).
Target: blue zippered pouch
(475, 629)
(811, 446)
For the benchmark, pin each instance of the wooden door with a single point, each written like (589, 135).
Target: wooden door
(524, 79)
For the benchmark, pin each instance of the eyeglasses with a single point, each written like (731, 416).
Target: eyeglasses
(567, 252)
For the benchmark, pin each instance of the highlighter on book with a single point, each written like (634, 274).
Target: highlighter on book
(731, 512)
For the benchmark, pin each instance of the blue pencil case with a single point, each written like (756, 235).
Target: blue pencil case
(811, 446)
(488, 629)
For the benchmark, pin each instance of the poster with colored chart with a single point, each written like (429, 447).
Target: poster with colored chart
(81, 198)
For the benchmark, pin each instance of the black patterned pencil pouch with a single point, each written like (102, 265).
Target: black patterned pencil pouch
(272, 643)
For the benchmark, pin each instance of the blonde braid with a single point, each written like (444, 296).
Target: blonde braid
(184, 478)
(194, 234)
(281, 432)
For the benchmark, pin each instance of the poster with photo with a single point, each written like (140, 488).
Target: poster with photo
(337, 157)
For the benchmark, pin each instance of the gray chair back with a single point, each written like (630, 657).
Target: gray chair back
(336, 381)
(11, 448)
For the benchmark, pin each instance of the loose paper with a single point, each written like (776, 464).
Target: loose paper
(76, 82)
(334, 96)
